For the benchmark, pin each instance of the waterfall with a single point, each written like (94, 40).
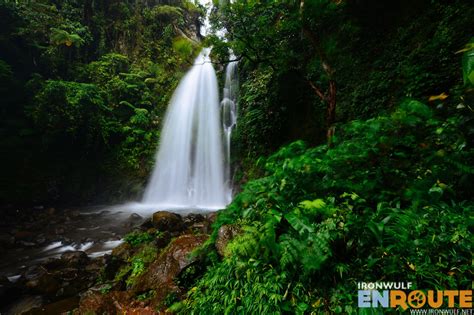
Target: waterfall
(189, 169)
(229, 115)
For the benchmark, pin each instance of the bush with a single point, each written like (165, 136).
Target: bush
(70, 109)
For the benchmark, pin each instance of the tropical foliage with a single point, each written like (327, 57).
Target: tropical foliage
(389, 200)
(86, 84)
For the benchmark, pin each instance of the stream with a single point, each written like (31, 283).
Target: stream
(30, 237)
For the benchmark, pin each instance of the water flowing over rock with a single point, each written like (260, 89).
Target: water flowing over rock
(189, 170)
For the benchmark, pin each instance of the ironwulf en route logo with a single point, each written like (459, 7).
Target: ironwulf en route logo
(399, 295)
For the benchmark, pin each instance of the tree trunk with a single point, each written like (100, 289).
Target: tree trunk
(330, 99)
(329, 96)
(331, 111)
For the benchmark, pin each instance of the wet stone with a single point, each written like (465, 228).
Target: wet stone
(124, 251)
(94, 302)
(212, 217)
(193, 218)
(147, 224)
(161, 273)
(75, 258)
(167, 221)
(162, 240)
(25, 305)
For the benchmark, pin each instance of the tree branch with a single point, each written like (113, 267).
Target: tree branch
(317, 90)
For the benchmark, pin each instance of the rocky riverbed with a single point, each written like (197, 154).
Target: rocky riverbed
(98, 261)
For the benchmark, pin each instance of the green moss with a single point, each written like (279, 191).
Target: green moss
(146, 296)
(136, 265)
(137, 238)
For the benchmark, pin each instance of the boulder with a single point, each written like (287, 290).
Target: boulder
(201, 228)
(147, 224)
(25, 305)
(197, 223)
(74, 272)
(112, 265)
(58, 307)
(75, 258)
(193, 218)
(161, 273)
(162, 240)
(133, 220)
(167, 221)
(44, 283)
(124, 251)
(93, 302)
(225, 234)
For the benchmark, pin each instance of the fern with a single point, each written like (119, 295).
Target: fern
(290, 249)
(461, 167)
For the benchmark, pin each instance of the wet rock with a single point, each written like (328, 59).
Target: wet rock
(75, 258)
(135, 217)
(133, 220)
(162, 240)
(59, 307)
(161, 273)
(45, 283)
(212, 217)
(124, 251)
(193, 218)
(167, 221)
(51, 211)
(97, 303)
(145, 310)
(95, 265)
(111, 266)
(74, 272)
(147, 224)
(201, 227)
(225, 234)
(197, 223)
(25, 305)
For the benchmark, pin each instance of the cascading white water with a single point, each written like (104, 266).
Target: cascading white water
(229, 114)
(189, 169)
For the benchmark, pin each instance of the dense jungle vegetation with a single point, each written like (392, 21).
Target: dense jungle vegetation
(353, 151)
(85, 86)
